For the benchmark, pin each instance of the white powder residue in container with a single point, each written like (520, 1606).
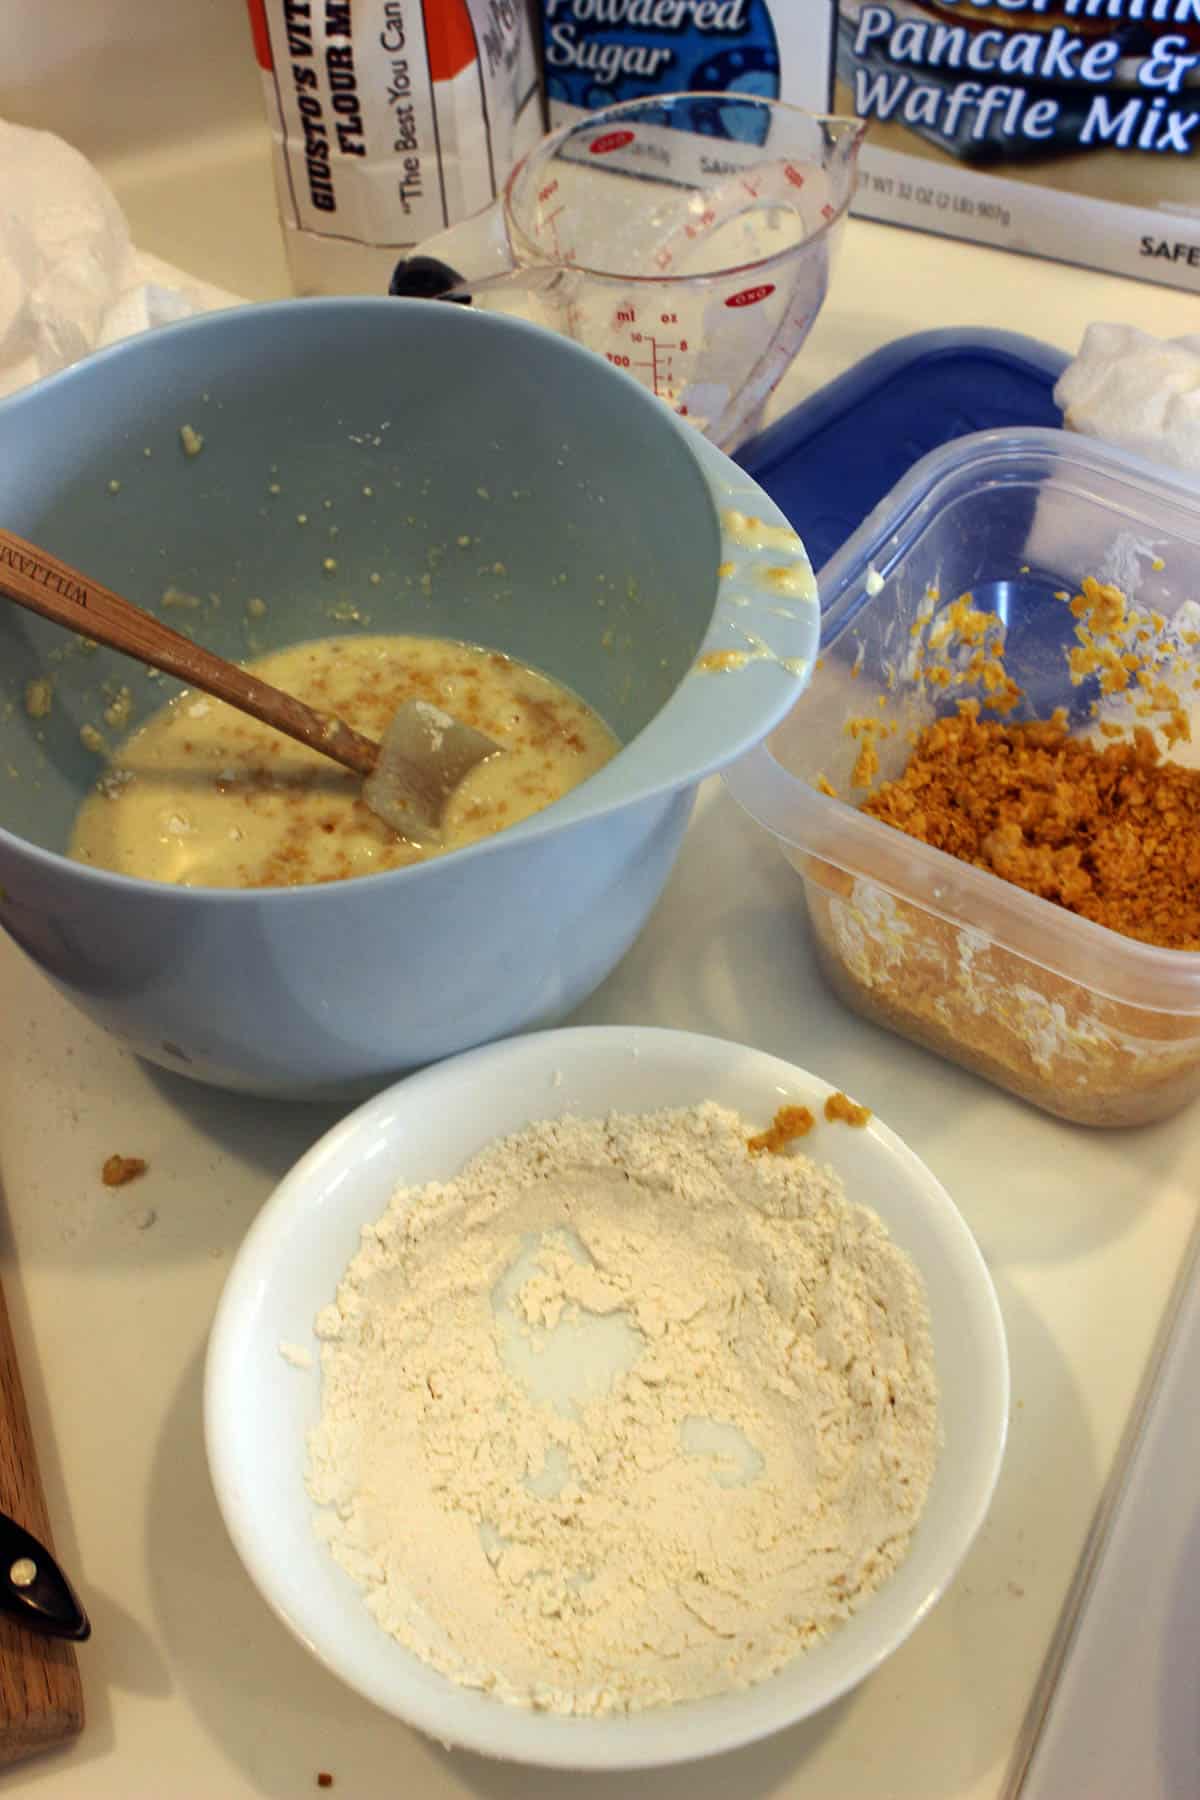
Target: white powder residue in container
(623, 1415)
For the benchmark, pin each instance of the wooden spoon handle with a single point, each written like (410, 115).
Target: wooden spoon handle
(34, 578)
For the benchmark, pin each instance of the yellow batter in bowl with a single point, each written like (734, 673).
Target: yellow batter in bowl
(203, 796)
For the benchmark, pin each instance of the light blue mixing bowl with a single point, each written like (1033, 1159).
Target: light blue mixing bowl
(601, 549)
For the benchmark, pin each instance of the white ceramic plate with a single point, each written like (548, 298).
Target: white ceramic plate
(258, 1407)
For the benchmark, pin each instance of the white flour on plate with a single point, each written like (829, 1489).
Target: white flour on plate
(623, 1415)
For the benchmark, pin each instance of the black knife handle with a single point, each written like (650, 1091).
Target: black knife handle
(33, 1589)
(425, 278)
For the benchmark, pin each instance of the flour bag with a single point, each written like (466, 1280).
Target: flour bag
(390, 119)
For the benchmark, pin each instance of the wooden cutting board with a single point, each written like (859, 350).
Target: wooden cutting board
(41, 1697)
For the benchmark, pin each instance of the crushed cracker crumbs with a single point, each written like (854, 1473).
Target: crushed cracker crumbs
(1112, 834)
(119, 1170)
(1123, 649)
(867, 731)
(192, 441)
(963, 627)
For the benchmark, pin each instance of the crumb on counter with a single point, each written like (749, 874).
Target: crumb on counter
(114, 487)
(192, 441)
(256, 606)
(91, 739)
(324, 1779)
(179, 597)
(840, 1109)
(119, 1170)
(789, 1123)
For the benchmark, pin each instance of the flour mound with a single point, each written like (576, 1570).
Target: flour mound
(623, 1415)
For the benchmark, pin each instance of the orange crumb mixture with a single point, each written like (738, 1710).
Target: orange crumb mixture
(792, 1122)
(789, 1123)
(839, 1108)
(1112, 834)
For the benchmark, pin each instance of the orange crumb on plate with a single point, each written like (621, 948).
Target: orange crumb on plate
(790, 1122)
(839, 1106)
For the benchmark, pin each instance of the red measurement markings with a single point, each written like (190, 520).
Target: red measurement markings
(656, 355)
(547, 224)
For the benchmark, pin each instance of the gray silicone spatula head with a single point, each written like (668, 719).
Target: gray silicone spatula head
(423, 757)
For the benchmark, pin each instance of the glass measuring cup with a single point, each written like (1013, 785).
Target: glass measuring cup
(688, 238)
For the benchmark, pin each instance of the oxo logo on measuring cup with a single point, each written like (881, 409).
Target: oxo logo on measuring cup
(610, 141)
(752, 295)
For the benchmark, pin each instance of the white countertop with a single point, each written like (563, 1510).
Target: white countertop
(192, 1687)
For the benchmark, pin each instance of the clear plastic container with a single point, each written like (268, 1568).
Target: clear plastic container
(1093, 1026)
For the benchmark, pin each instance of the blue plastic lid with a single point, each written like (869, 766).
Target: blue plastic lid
(831, 460)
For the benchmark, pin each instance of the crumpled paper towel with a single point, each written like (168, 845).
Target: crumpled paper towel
(1139, 392)
(70, 279)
